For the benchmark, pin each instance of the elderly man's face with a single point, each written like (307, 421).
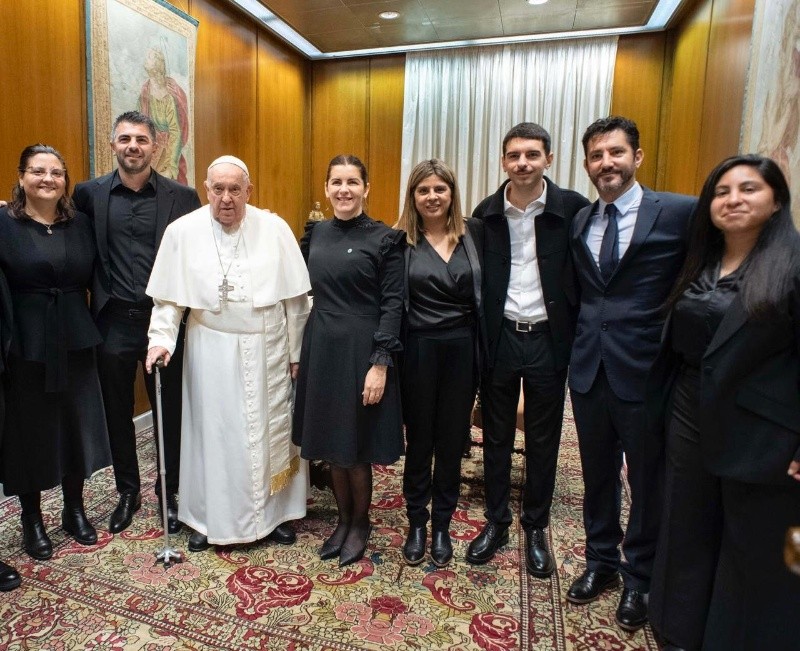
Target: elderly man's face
(228, 193)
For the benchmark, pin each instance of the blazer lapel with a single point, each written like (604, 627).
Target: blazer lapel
(165, 199)
(735, 317)
(581, 223)
(472, 257)
(101, 199)
(649, 209)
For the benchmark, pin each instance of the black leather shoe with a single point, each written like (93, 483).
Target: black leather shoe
(632, 610)
(489, 540)
(9, 578)
(74, 522)
(122, 516)
(198, 542)
(283, 534)
(588, 586)
(441, 547)
(173, 524)
(538, 560)
(34, 537)
(414, 547)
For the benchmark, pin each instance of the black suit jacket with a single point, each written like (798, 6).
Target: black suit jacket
(173, 200)
(620, 323)
(749, 411)
(555, 266)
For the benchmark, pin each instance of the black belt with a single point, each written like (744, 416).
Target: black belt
(527, 326)
(55, 344)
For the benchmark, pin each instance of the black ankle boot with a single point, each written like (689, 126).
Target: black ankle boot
(441, 547)
(75, 523)
(414, 548)
(34, 537)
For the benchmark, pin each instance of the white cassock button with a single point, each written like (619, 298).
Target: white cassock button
(349, 250)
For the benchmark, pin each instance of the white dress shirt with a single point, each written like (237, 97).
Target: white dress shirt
(524, 299)
(627, 210)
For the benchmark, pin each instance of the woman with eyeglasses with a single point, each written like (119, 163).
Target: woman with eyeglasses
(55, 430)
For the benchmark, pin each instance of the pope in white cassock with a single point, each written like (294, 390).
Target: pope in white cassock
(240, 271)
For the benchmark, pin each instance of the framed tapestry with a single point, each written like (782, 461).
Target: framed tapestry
(140, 56)
(771, 123)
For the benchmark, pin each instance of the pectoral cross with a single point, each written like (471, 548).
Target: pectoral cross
(224, 288)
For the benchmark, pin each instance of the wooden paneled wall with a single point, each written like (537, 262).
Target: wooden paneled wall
(357, 108)
(251, 96)
(704, 100)
(638, 82)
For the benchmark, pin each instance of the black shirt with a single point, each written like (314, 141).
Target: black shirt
(131, 238)
(699, 312)
(440, 293)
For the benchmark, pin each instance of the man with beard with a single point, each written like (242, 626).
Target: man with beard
(130, 209)
(628, 248)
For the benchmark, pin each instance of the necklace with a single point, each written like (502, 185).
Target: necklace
(225, 287)
(48, 226)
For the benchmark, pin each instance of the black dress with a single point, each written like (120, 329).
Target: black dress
(54, 422)
(356, 271)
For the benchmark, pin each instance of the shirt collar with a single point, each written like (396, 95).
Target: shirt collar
(116, 181)
(510, 210)
(631, 198)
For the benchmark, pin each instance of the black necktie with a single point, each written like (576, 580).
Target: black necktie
(609, 248)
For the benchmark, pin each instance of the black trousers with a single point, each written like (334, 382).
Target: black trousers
(124, 331)
(719, 581)
(608, 426)
(756, 599)
(691, 526)
(438, 391)
(528, 357)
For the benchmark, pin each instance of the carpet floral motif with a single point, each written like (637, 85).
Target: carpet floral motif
(114, 597)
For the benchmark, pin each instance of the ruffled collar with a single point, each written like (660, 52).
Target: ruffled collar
(356, 222)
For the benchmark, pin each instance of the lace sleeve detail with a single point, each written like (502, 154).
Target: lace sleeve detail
(390, 240)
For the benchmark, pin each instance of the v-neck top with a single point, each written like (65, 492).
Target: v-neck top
(440, 293)
(699, 312)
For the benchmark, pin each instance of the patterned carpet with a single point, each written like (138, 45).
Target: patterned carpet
(263, 596)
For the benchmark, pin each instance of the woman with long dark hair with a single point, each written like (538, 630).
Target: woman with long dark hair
(439, 378)
(731, 363)
(347, 408)
(55, 429)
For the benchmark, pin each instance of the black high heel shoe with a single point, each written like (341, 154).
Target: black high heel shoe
(350, 556)
(332, 547)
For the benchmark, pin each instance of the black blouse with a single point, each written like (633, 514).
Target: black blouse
(699, 312)
(440, 293)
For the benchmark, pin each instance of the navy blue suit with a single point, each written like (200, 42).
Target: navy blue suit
(616, 342)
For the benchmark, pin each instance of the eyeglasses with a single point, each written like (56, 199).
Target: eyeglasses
(40, 172)
(219, 190)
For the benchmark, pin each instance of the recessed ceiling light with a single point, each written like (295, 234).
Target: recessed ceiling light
(388, 15)
(536, 2)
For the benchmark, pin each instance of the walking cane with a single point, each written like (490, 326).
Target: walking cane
(167, 555)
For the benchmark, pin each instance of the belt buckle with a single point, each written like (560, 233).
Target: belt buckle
(523, 326)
